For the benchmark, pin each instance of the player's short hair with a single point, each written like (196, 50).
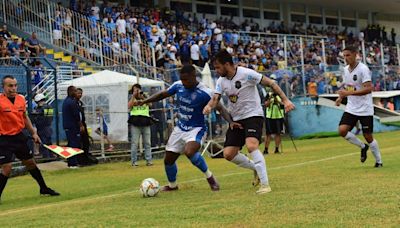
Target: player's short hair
(352, 49)
(69, 90)
(6, 77)
(187, 69)
(79, 89)
(137, 86)
(223, 57)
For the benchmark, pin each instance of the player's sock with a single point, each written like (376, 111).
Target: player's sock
(37, 175)
(171, 171)
(375, 151)
(242, 161)
(260, 166)
(3, 182)
(354, 140)
(198, 161)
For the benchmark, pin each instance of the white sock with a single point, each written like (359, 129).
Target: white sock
(261, 167)
(242, 161)
(354, 140)
(172, 184)
(375, 151)
(208, 173)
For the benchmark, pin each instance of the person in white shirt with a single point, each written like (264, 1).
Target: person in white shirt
(95, 9)
(357, 88)
(239, 84)
(121, 24)
(195, 54)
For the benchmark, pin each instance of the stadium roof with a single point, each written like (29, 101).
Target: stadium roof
(380, 6)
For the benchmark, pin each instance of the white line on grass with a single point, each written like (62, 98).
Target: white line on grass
(13, 211)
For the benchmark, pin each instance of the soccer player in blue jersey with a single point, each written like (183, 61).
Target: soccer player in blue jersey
(190, 132)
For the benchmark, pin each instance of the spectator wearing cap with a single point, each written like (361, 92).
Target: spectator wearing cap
(42, 118)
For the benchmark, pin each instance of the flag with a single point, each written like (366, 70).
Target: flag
(65, 152)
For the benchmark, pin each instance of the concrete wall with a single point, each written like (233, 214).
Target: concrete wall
(309, 118)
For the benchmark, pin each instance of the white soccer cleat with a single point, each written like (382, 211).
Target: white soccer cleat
(256, 180)
(264, 189)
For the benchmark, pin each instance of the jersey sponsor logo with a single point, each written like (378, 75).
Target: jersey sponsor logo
(251, 78)
(194, 95)
(355, 77)
(238, 84)
(233, 98)
(349, 87)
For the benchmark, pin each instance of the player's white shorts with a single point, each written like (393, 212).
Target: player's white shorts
(178, 138)
(57, 34)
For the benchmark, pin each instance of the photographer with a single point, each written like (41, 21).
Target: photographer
(274, 120)
(139, 124)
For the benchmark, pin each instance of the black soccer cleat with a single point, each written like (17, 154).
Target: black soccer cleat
(265, 151)
(48, 191)
(364, 153)
(378, 165)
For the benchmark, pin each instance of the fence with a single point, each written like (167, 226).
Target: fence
(78, 35)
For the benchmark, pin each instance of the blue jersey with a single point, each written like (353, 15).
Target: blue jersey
(190, 103)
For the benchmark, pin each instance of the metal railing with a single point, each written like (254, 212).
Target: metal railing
(78, 35)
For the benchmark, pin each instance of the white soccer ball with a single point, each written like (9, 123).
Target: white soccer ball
(149, 187)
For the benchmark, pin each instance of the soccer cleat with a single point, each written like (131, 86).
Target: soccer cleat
(167, 188)
(364, 153)
(135, 164)
(48, 191)
(264, 189)
(378, 165)
(149, 163)
(256, 180)
(213, 183)
(265, 151)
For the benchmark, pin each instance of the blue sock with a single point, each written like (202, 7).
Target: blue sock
(171, 171)
(199, 162)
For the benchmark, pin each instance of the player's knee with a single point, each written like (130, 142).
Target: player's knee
(6, 169)
(228, 155)
(342, 132)
(252, 147)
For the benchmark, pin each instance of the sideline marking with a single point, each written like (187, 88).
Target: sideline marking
(13, 211)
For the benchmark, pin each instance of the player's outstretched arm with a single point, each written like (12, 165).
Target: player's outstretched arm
(212, 104)
(271, 83)
(156, 97)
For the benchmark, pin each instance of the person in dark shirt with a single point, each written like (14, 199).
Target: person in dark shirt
(72, 123)
(4, 33)
(34, 46)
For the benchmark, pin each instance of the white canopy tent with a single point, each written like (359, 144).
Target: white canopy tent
(108, 90)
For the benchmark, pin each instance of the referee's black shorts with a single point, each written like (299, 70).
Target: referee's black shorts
(252, 127)
(12, 146)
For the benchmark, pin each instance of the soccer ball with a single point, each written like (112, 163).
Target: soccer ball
(149, 187)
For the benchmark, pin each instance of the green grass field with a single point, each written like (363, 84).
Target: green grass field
(324, 184)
